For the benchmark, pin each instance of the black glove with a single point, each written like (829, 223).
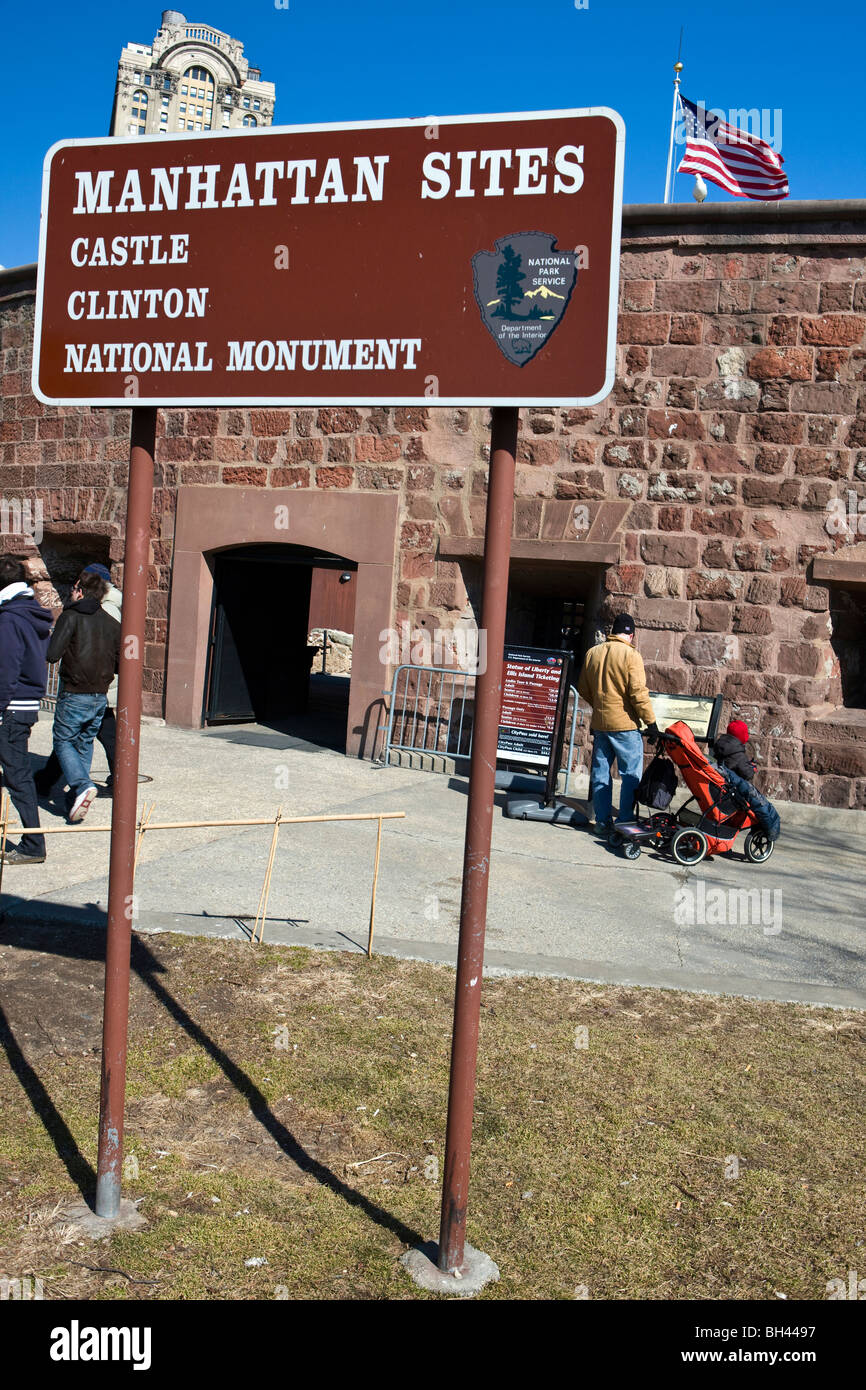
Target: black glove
(653, 733)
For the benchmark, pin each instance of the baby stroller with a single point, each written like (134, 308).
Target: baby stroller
(722, 812)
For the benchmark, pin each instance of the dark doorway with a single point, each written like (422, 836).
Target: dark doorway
(848, 622)
(260, 658)
(550, 605)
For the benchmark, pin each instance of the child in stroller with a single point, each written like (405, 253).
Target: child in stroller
(722, 811)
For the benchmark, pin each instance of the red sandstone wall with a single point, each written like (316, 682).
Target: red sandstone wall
(738, 413)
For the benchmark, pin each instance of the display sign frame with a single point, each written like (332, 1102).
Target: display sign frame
(702, 713)
(516, 655)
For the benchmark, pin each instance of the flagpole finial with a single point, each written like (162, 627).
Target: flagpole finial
(678, 67)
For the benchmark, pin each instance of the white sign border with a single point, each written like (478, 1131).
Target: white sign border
(130, 402)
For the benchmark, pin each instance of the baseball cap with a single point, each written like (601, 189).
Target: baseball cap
(623, 625)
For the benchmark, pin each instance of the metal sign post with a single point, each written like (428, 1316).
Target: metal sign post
(479, 826)
(121, 905)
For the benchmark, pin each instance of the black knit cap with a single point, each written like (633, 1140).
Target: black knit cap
(623, 625)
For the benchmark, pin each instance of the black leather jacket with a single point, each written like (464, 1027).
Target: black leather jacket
(86, 641)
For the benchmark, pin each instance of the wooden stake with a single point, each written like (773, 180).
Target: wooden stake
(266, 886)
(4, 826)
(375, 881)
(142, 826)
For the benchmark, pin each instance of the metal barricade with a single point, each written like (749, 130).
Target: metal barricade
(432, 709)
(49, 699)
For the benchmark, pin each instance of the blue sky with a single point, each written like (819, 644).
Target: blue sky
(378, 58)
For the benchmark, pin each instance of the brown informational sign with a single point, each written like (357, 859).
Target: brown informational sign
(531, 681)
(453, 261)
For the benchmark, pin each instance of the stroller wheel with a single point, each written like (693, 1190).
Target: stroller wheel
(614, 839)
(758, 846)
(631, 850)
(689, 846)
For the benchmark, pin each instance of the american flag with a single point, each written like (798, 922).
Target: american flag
(742, 163)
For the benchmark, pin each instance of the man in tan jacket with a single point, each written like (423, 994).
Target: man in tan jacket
(614, 683)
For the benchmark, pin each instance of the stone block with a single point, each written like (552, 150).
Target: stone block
(664, 613)
(840, 759)
(824, 398)
(833, 330)
(643, 328)
(714, 617)
(709, 649)
(794, 364)
(714, 584)
(835, 791)
(753, 618)
(669, 551)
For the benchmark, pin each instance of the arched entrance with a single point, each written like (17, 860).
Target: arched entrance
(260, 539)
(261, 659)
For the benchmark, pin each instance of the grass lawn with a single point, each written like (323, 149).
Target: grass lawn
(289, 1107)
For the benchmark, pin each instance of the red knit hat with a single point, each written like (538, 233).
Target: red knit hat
(739, 730)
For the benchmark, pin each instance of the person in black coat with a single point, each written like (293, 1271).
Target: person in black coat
(730, 750)
(25, 627)
(86, 642)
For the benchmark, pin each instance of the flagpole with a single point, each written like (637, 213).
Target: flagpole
(678, 67)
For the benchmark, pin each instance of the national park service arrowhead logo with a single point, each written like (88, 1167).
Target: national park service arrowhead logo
(523, 289)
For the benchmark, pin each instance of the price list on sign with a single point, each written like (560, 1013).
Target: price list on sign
(531, 680)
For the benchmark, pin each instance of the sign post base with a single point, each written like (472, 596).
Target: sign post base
(468, 1279)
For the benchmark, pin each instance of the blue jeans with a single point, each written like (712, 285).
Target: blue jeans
(76, 723)
(627, 749)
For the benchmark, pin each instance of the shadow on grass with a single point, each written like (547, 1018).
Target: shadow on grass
(86, 943)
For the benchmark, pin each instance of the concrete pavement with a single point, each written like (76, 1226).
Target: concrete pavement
(561, 902)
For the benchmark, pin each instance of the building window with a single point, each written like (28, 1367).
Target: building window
(201, 92)
(249, 121)
(226, 120)
(257, 105)
(182, 108)
(246, 101)
(147, 79)
(183, 91)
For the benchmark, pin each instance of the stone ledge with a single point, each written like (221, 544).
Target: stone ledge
(850, 574)
(575, 552)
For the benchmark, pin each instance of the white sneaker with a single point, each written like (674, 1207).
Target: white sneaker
(81, 805)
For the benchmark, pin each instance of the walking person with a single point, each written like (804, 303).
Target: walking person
(86, 642)
(25, 627)
(613, 681)
(47, 777)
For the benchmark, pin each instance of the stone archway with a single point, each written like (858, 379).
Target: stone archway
(360, 526)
